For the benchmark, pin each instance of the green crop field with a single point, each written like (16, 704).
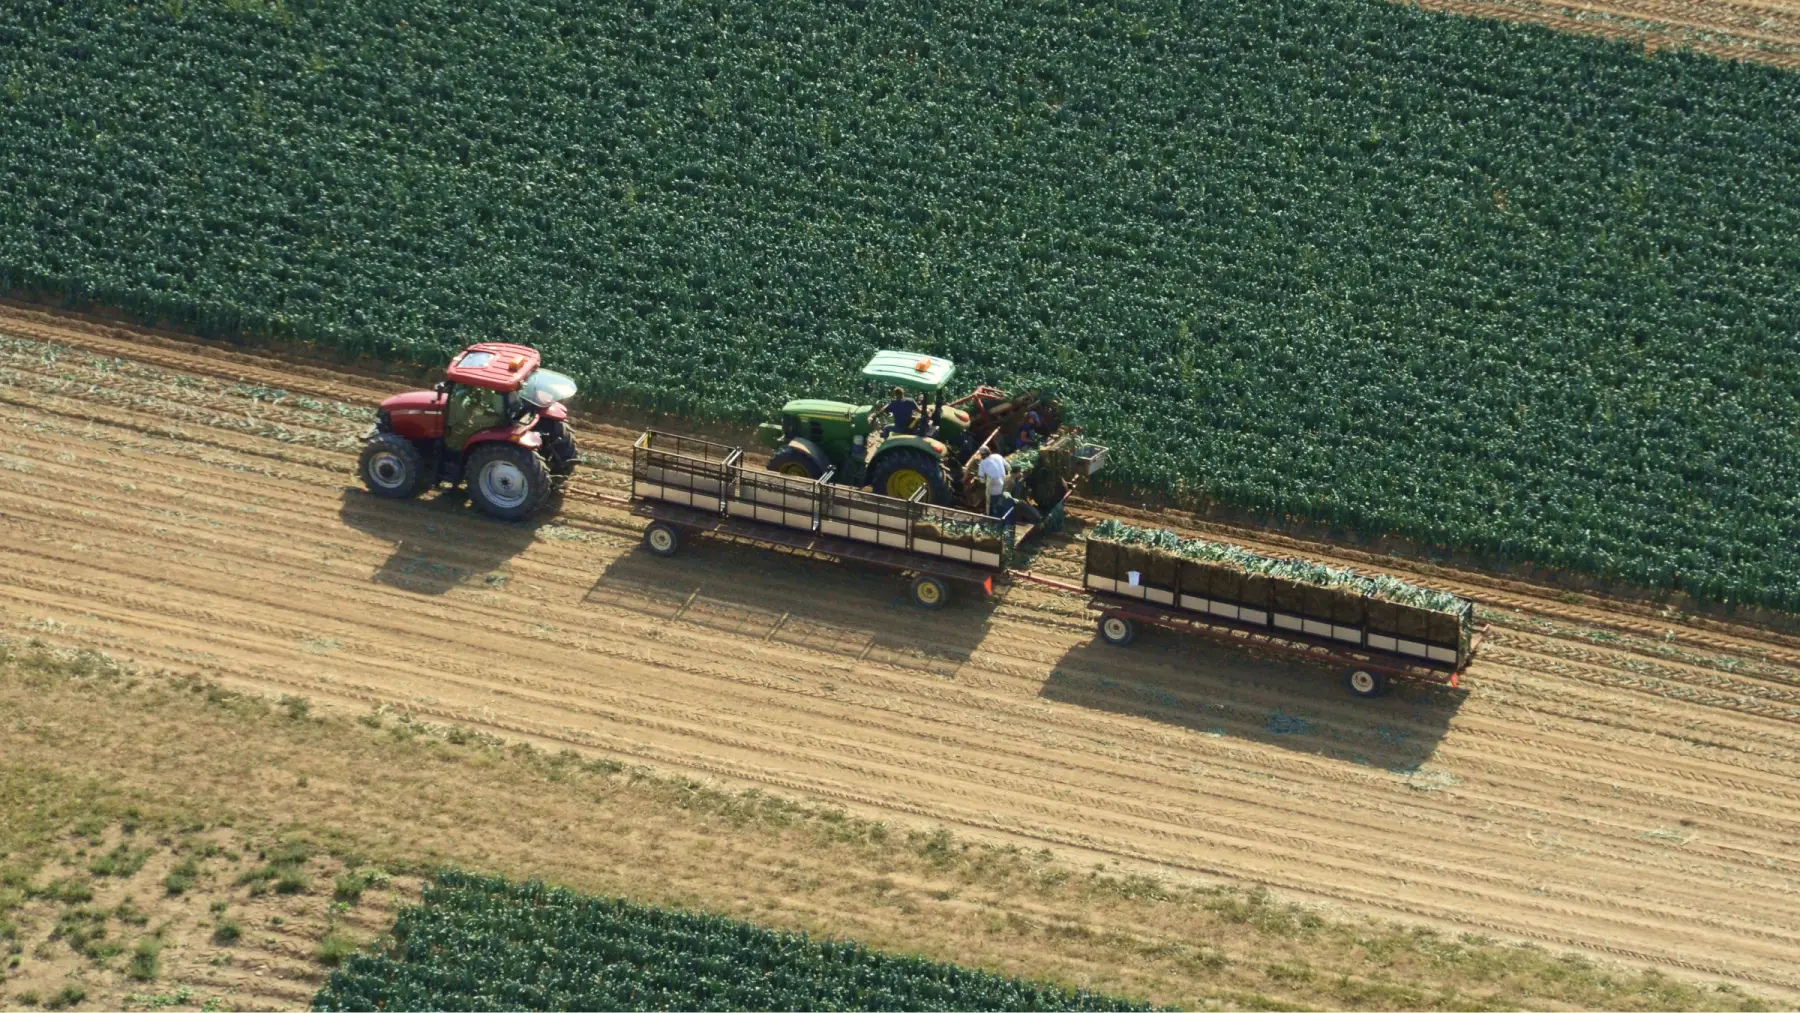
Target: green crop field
(478, 943)
(1492, 288)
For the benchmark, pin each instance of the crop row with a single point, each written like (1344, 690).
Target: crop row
(481, 943)
(1485, 286)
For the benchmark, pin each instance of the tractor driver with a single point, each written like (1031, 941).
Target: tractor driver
(902, 409)
(471, 410)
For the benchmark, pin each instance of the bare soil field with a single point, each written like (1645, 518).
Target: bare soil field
(1767, 31)
(1610, 780)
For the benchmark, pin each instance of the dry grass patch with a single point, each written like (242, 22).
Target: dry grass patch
(275, 837)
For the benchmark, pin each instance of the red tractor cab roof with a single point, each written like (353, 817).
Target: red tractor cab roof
(493, 365)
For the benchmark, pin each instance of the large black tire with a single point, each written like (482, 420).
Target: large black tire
(796, 462)
(391, 467)
(559, 448)
(508, 482)
(898, 473)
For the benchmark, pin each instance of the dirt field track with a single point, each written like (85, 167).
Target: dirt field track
(1609, 780)
(1766, 31)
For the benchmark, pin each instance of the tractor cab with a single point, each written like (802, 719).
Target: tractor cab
(924, 376)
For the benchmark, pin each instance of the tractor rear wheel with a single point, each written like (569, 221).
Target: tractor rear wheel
(900, 473)
(929, 592)
(796, 462)
(508, 482)
(392, 467)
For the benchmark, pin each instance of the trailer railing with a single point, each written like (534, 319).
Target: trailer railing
(681, 469)
(712, 477)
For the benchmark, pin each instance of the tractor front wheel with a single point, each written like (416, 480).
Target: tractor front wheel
(901, 473)
(392, 467)
(796, 462)
(559, 447)
(508, 482)
(929, 592)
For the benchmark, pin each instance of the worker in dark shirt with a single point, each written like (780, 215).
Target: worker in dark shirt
(901, 409)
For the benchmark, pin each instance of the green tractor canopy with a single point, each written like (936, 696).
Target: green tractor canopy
(926, 374)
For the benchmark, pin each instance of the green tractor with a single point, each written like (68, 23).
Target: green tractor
(939, 452)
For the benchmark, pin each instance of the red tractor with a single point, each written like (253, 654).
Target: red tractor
(496, 422)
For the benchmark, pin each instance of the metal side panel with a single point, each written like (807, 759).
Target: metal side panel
(1228, 610)
(1158, 595)
(962, 552)
(1348, 634)
(1194, 604)
(980, 558)
(831, 527)
(1380, 642)
(1443, 654)
(1316, 628)
(928, 547)
(739, 508)
(1286, 622)
(1412, 647)
(1257, 616)
(1100, 583)
(892, 539)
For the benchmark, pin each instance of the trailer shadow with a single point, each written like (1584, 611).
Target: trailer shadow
(1226, 693)
(844, 608)
(440, 541)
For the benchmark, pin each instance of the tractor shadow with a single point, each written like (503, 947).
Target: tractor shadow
(1223, 692)
(440, 541)
(845, 608)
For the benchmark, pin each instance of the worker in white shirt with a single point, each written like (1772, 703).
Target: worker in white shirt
(993, 471)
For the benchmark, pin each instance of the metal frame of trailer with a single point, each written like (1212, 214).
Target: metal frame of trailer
(1367, 672)
(687, 485)
(770, 536)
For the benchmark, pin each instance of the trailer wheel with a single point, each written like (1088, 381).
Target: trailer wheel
(1117, 630)
(662, 539)
(1367, 684)
(929, 592)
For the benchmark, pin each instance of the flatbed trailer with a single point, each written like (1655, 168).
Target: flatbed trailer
(688, 522)
(1367, 673)
(1323, 626)
(688, 487)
